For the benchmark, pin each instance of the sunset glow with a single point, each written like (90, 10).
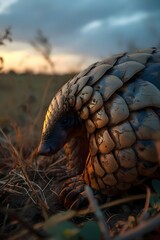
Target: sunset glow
(27, 59)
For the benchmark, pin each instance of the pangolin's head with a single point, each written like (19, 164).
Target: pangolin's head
(62, 120)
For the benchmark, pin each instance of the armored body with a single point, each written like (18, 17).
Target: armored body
(106, 118)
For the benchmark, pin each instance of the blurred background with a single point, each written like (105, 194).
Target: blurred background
(79, 32)
(48, 41)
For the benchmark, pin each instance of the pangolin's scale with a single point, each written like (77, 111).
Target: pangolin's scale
(119, 100)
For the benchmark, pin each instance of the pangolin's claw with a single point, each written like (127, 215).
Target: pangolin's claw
(73, 193)
(80, 202)
(68, 187)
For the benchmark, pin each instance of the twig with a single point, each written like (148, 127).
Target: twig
(148, 196)
(144, 215)
(141, 229)
(97, 212)
(113, 203)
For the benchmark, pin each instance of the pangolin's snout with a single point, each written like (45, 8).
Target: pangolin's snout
(45, 149)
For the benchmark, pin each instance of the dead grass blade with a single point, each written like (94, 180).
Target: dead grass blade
(18, 159)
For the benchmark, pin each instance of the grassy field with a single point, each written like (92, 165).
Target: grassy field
(27, 93)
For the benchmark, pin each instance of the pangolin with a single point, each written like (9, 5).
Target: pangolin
(106, 117)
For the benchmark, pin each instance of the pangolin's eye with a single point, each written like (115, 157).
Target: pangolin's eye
(66, 122)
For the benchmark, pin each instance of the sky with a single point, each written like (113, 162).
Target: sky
(80, 32)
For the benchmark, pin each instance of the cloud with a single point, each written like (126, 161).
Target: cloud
(5, 5)
(86, 27)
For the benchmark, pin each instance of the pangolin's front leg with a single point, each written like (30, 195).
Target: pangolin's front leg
(73, 190)
(72, 193)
